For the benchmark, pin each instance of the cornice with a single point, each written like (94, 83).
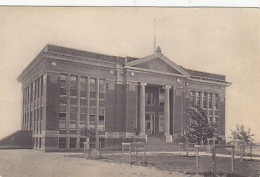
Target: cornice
(152, 71)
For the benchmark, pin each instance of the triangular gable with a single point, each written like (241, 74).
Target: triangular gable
(158, 62)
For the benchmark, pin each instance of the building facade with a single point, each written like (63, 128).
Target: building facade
(65, 90)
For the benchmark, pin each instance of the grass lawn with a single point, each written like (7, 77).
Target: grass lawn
(187, 165)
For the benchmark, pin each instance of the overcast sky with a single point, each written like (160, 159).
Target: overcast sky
(217, 40)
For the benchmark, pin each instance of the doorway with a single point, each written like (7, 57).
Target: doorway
(150, 123)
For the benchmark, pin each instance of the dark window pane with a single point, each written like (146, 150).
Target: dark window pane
(83, 93)
(73, 101)
(92, 118)
(73, 116)
(63, 91)
(62, 114)
(62, 143)
(73, 142)
(102, 95)
(93, 102)
(101, 118)
(83, 86)
(82, 140)
(73, 110)
(83, 117)
(83, 101)
(73, 92)
(62, 84)
(83, 80)
(93, 94)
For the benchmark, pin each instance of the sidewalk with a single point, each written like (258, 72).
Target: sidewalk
(183, 153)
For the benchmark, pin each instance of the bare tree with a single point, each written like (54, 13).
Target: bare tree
(241, 134)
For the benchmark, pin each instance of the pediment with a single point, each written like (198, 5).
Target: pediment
(159, 63)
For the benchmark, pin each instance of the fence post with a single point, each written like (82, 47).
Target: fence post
(187, 149)
(251, 149)
(144, 152)
(214, 161)
(123, 150)
(197, 160)
(232, 159)
(241, 152)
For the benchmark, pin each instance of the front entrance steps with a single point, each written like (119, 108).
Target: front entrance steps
(158, 143)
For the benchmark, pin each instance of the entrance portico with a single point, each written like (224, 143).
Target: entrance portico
(149, 119)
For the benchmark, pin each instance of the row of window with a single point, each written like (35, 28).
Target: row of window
(37, 142)
(201, 99)
(32, 107)
(73, 143)
(73, 103)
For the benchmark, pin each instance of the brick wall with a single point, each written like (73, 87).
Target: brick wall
(131, 107)
(178, 111)
(221, 121)
(110, 122)
(52, 109)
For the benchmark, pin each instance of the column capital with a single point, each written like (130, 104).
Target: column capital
(167, 87)
(142, 84)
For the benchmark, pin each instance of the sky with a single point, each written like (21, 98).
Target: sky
(216, 40)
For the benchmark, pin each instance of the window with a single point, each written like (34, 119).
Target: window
(82, 140)
(161, 123)
(204, 99)
(101, 142)
(63, 100)
(101, 122)
(93, 102)
(62, 143)
(83, 93)
(73, 101)
(73, 116)
(63, 84)
(193, 95)
(62, 124)
(92, 117)
(73, 142)
(216, 101)
(73, 125)
(92, 94)
(101, 95)
(73, 92)
(101, 85)
(210, 118)
(210, 101)
(149, 98)
(63, 91)
(161, 102)
(83, 80)
(62, 115)
(82, 125)
(63, 77)
(83, 117)
(199, 99)
(40, 142)
(83, 101)
(73, 78)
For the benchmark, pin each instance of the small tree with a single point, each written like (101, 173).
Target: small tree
(241, 134)
(88, 132)
(199, 129)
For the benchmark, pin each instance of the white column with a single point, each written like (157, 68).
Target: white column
(167, 115)
(142, 108)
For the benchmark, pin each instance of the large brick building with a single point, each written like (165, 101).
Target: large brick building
(66, 89)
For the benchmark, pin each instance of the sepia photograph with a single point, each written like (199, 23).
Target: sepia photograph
(129, 91)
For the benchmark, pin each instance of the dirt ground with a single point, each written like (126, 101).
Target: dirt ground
(33, 163)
